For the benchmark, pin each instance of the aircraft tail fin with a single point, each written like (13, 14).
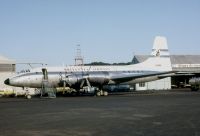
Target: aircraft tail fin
(160, 48)
(159, 59)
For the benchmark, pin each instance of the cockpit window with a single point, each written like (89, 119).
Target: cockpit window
(24, 71)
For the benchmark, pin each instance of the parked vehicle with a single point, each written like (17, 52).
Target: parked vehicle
(195, 84)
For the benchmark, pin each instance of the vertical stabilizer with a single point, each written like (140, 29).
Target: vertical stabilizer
(160, 48)
(159, 59)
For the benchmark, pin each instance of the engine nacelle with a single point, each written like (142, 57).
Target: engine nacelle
(99, 78)
(73, 80)
(194, 81)
(95, 79)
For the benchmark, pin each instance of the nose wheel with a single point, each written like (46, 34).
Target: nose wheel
(28, 95)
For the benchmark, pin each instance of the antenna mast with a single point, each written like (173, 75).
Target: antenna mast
(78, 57)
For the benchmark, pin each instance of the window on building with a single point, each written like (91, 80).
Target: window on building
(141, 84)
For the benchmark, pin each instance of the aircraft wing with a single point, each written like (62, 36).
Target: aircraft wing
(126, 78)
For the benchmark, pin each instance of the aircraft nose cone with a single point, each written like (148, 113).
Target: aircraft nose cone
(7, 81)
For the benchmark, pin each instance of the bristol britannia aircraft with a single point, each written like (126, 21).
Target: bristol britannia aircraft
(156, 67)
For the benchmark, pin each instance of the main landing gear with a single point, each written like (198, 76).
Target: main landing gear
(101, 93)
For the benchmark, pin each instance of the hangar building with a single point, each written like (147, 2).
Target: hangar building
(184, 63)
(7, 69)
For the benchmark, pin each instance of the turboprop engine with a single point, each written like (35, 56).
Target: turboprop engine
(95, 79)
(100, 78)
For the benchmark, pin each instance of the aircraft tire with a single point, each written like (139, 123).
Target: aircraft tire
(105, 93)
(98, 93)
(28, 96)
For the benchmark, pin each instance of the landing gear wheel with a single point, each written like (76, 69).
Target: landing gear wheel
(98, 93)
(101, 93)
(28, 96)
(105, 93)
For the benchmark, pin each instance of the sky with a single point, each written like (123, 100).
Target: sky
(112, 31)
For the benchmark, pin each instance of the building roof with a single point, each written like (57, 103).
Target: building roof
(4, 60)
(185, 59)
(188, 63)
(175, 59)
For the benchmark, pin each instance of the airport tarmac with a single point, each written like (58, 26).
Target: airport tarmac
(153, 114)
